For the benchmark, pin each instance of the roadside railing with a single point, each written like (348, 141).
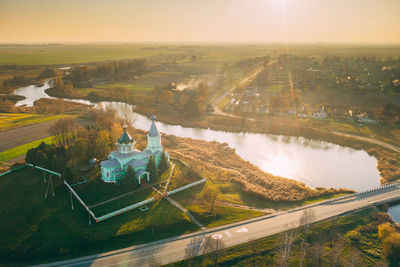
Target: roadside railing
(385, 186)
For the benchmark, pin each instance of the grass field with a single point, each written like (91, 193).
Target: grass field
(21, 150)
(233, 193)
(211, 53)
(385, 133)
(34, 229)
(16, 120)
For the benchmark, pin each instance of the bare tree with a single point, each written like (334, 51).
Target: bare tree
(303, 251)
(193, 249)
(126, 113)
(213, 246)
(306, 219)
(254, 248)
(64, 130)
(335, 253)
(317, 254)
(284, 248)
(354, 259)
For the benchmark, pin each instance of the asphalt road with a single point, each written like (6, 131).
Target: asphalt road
(173, 249)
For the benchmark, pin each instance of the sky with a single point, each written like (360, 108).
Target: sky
(331, 21)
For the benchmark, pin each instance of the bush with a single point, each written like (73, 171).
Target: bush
(354, 235)
(391, 247)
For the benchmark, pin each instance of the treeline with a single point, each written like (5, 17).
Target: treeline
(85, 76)
(75, 145)
(21, 80)
(192, 102)
(248, 63)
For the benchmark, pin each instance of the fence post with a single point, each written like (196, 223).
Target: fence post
(72, 201)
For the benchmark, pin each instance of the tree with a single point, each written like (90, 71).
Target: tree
(284, 248)
(64, 131)
(193, 249)
(317, 254)
(152, 169)
(384, 230)
(306, 219)
(390, 242)
(58, 83)
(130, 178)
(209, 196)
(164, 165)
(101, 144)
(336, 252)
(354, 259)
(79, 150)
(166, 97)
(213, 247)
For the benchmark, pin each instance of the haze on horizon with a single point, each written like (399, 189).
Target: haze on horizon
(339, 21)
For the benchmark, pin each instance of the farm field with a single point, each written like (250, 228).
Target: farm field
(16, 120)
(84, 53)
(21, 150)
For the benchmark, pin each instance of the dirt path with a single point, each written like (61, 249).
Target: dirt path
(23, 135)
(268, 211)
(217, 111)
(370, 140)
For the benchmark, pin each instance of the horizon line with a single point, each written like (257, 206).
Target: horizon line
(199, 42)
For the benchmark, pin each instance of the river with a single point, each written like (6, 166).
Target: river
(313, 162)
(394, 212)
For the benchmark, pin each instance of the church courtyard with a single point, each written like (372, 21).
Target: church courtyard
(53, 230)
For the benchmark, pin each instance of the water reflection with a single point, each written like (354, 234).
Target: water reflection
(315, 163)
(394, 212)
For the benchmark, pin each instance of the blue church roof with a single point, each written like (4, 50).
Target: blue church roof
(109, 163)
(125, 137)
(153, 129)
(135, 163)
(140, 172)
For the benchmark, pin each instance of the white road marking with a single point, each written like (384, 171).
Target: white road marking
(242, 230)
(216, 236)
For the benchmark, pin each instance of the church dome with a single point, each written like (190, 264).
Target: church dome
(125, 137)
(153, 129)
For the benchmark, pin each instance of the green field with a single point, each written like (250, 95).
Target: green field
(16, 120)
(21, 150)
(212, 53)
(34, 229)
(72, 54)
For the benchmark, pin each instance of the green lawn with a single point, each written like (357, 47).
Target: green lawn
(21, 150)
(15, 120)
(35, 230)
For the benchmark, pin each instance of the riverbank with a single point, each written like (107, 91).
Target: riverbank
(225, 169)
(388, 160)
